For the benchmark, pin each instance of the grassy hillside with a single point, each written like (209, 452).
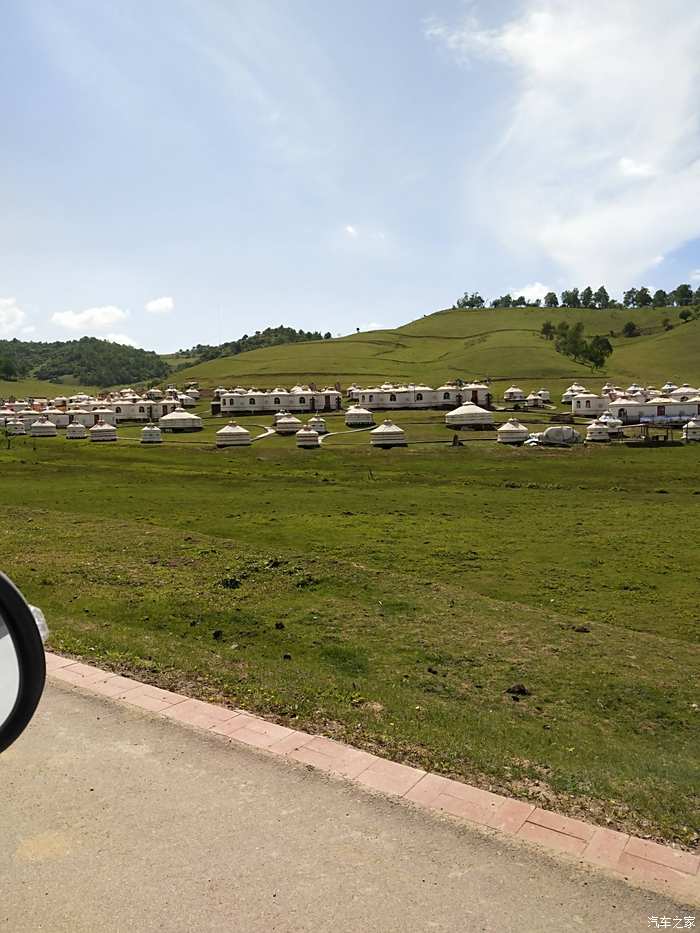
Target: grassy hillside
(503, 344)
(38, 388)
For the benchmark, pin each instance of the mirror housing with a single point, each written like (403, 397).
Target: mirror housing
(31, 661)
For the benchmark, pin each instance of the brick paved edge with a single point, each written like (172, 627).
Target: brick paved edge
(639, 861)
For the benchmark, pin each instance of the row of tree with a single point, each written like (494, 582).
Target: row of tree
(270, 337)
(682, 296)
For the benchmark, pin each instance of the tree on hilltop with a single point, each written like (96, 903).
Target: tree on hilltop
(587, 297)
(644, 298)
(601, 298)
(660, 299)
(683, 295)
(571, 298)
(551, 300)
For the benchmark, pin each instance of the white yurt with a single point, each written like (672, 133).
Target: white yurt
(233, 435)
(43, 428)
(683, 393)
(317, 424)
(307, 437)
(356, 417)
(575, 389)
(76, 431)
(180, 420)
(534, 400)
(28, 416)
(613, 424)
(512, 432)
(186, 400)
(151, 434)
(288, 424)
(108, 415)
(597, 433)
(514, 394)
(279, 414)
(668, 388)
(469, 415)
(388, 434)
(80, 416)
(15, 426)
(544, 394)
(59, 417)
(6, 414)
(103, 432)
(691, 431)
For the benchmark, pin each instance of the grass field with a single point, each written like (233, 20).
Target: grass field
(504, 345)
(37, 388)
(390, 598)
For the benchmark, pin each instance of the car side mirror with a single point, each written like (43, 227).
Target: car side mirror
(22, 663)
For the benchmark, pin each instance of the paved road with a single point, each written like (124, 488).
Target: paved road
(113, 820)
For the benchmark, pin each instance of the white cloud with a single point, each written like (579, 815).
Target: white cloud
(633, 169)
(91, 318)
(11, 317)
(351, 231)
(695, 275)
(122, 338)
(657, 260)
(160, 305)
(561, 180)
(532, 292)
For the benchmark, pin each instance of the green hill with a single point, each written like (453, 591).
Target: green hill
(504, 344)
(87, 361)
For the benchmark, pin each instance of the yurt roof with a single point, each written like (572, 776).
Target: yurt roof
(513, 425)
(288, 419)
(179, 414)
(306, 431)
(356, 410)
(233, 428)
(514, 389)
(469, 408)
(102, 426)
(387, 427)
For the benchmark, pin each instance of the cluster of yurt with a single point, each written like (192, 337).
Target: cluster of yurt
(469, 416)
(299, 398)
(417, 396)
(512, 432)
(233, 435)
(387, 435)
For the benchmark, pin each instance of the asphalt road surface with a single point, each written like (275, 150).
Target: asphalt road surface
(115, 820)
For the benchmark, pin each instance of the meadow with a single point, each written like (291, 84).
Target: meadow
(392, 598)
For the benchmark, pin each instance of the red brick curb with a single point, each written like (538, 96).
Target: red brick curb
(647, 864)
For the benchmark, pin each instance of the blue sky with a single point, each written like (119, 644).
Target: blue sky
(187, 171)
